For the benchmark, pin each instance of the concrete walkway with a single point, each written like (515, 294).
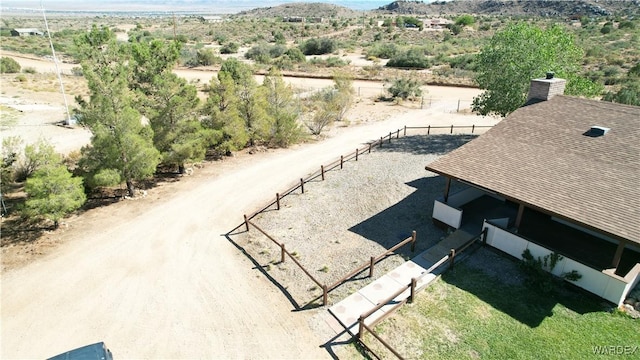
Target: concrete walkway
(346, 312)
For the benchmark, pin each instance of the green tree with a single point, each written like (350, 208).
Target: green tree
(222, 115)
(282, 108)
(51, 190)
(170, 104)
(9, 66)
(120, 144)
(251, 100)
(522, 52)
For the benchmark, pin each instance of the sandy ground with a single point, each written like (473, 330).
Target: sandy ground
(155, 278)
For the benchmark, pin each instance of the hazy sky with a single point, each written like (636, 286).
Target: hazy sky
(176, 5)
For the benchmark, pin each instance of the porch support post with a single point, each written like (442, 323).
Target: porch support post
(446, 190)
(519, 217)
(618, 255)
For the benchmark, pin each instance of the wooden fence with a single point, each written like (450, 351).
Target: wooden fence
(327, 288)
(321, 173)
(450, 258)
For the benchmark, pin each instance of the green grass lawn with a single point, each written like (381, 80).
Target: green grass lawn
(468, 314)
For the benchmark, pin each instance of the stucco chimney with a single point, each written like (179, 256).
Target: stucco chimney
(546, 88)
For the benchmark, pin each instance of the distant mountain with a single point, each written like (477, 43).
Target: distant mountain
(543, 8)
(302, 9)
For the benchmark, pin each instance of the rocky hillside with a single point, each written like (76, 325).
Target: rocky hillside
(545, 8)
(307, 10)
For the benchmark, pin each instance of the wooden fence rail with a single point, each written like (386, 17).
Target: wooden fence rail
(412, 286)
(373, 260)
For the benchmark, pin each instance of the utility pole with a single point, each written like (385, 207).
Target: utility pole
(55, 61)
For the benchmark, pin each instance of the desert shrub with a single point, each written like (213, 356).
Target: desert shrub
(316, 46)
(629, 94)
(383, 51)
(465, 20)
(229, 48)
(606, 29)
(332, 61)
(626, 25)
(220, 38)
(404, 88)
(9, 66)
(29, 70)
(465, 62)
(596, 51)
(277, 50)
(412, 58)
(455, 28)
(259, 53)
(207, 57)
(635, 70)
(21, 78)
(295, 55)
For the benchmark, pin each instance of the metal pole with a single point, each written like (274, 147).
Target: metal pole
(55, 61)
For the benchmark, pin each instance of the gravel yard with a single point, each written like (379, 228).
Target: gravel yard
(357, 212)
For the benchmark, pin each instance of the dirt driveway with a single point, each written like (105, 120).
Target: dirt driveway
(155, 278)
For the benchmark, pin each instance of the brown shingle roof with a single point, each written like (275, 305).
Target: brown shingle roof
(538, 155)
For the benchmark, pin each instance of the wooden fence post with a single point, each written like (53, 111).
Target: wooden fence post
(372, 262)
(413, 289)
(282, 253)
(452, 256)
(413, 241)
(405, 131)
(322, 171)
(398, 134)
(390, 137)
(278, 201)
(341, 161)
(302, 185)
(381, 140)
(473, 127)
(357, 151)
(369, 148)
(428, 129)
(458, 106)
(246, 222)
(360, 327)
(325, 293)
(452, 128)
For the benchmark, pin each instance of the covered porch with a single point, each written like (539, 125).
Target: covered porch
(521, 227)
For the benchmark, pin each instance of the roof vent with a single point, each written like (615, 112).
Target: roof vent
(596, 131)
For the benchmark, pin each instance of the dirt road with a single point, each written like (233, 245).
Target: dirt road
(154, 278)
